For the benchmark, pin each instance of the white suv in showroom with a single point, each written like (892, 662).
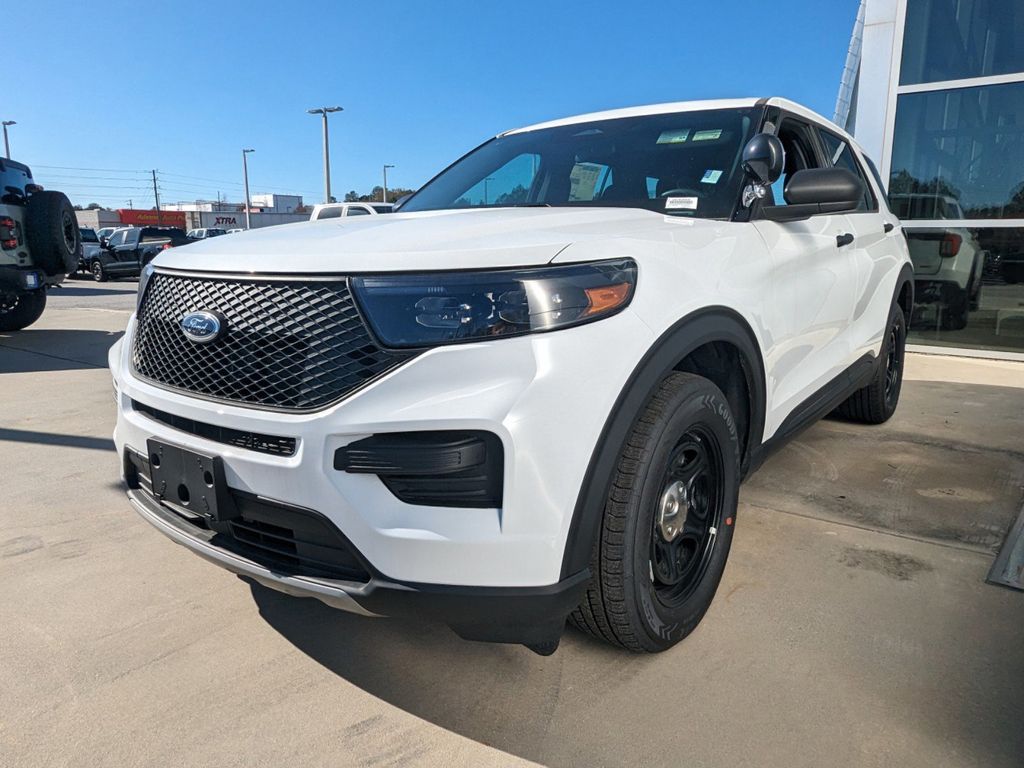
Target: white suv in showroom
(530, 395)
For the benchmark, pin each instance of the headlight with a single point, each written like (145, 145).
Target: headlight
(144, 275)
(449, 307)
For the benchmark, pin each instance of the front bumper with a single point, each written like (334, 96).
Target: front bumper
(503, 615)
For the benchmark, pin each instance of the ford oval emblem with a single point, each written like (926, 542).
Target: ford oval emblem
(201, 327)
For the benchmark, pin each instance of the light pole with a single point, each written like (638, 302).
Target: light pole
(384, 195)
(489, 178)
(323, 111)
(7, 144)
(245, 175)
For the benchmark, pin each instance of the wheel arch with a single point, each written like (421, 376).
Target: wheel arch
(904, 293)
(717, 332)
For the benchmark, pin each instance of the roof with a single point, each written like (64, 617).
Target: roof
(675, 106)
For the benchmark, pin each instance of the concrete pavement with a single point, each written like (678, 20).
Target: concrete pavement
(853, 626)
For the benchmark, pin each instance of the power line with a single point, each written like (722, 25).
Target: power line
(97, 170)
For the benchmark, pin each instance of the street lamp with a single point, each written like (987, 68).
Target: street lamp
(323, 111)
(7, 144)
(245, 175)
(489, 178)
(384, 195)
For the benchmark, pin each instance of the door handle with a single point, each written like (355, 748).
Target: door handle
(844, 239)
(889, 226)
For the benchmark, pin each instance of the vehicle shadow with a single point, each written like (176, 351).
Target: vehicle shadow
(500, 695)
(80, 290)
(44, 349)
(56, 438)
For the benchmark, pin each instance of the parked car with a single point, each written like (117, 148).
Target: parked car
(949, 263)
(204, 232)
(128, 250)
(338, 210)
(235, 231)
(533, 394)
(39, 244)
(90, 248)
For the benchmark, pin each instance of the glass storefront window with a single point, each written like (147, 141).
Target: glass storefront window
(968, 287)
(955, 39)
(959, 154)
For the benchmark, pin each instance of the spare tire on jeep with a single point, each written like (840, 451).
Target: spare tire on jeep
(52, 230)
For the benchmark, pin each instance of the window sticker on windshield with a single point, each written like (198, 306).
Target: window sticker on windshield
(680, 203)
(583, 180)
(708, 135)
(711, 177)
(677, 136)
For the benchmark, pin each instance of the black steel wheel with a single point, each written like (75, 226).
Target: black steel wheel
(668, 522)
(877, 402)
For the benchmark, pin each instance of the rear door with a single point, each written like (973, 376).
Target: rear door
(812, 295)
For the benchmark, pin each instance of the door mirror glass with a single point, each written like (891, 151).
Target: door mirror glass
(763, 158)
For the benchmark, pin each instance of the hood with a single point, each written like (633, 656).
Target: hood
(458, 239)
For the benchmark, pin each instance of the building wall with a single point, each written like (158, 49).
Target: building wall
(940, 105)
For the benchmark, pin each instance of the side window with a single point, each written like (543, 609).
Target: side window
(841, 156)
(795, 136)
(116, 239)
(357, 210)
(131, 237)
(329, 213)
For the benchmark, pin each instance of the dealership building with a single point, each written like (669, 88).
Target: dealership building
(934, 92)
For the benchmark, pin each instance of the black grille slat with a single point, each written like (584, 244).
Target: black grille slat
(288, 344)
(274, 445)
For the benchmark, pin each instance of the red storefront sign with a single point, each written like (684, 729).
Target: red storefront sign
(135, 218)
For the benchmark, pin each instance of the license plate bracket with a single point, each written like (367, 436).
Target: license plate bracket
(193, 481)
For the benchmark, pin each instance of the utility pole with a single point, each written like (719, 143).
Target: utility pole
(7, 144)
(245, 174)
(323, 112)
(489, 178)
(156, 196)
(384, 196)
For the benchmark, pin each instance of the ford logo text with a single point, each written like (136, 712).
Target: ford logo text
(201, 327)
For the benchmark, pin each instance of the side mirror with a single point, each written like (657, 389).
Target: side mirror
(817, 190)
(764, 158)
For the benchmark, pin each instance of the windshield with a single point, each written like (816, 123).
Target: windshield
(88, 235)
(684, 164)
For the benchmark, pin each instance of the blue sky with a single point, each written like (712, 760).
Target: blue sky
(183, 86)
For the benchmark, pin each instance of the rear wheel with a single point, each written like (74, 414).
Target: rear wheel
(20, 310)
(876, 403)
(668, 520)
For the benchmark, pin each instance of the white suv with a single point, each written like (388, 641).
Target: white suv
(532, 394)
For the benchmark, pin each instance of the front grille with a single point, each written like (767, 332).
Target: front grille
(275, 445)
(285, 344)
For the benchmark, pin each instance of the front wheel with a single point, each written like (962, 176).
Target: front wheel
(99, 274)
(20, 310)
(668, 521)
(876, 403)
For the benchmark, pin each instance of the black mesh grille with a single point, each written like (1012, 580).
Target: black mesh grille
(288, 344)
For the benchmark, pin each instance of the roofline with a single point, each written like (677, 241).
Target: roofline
(680, 106)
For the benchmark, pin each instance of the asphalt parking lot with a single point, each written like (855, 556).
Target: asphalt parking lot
(853, 626)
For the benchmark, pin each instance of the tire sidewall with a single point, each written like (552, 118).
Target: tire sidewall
(895, 318)
(699, 405)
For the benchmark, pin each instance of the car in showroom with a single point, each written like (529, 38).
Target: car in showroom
(949, 262)
(530, 395)
(40, 244)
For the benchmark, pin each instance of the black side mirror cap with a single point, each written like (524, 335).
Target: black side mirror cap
(817, 190)
(764, 158)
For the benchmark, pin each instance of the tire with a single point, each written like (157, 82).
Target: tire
(876, 403)
(20, 310)
(654, 576)
(99, 274)
(52, 231)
